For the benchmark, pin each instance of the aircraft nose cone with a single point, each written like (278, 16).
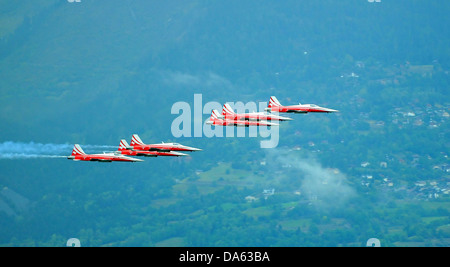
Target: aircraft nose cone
(287, 119)
(192, 149)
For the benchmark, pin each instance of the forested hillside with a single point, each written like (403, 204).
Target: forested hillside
(95, 72)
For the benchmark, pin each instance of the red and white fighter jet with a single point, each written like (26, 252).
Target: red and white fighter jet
(275, 106)
(137, 144)
(78, 154)
(228, 113)
(217, 119)
(126, 149)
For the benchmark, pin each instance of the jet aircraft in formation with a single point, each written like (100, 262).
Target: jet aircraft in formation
(78, 154)
(137, 144)
(137, 148)
(228, 118)
(217, 119)
(229, 113)
(275, 106)
(126, 149)
(231, 118)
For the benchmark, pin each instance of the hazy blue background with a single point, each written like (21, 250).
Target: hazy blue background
(95, 72)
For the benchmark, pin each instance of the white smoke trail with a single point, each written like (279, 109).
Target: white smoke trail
(327, 188)
(27, 156)
(21, 150)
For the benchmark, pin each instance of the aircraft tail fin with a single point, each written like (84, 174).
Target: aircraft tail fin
(273, 102)
(136, 140)
(77, 150)
(123, 145)
(227, 110)
(214, 115)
